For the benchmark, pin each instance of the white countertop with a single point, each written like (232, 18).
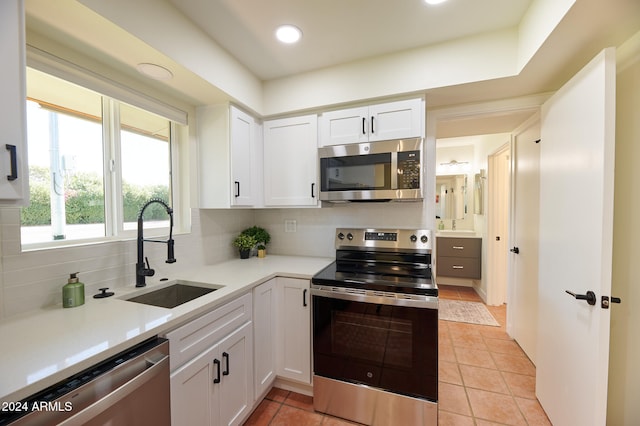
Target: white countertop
(44, 347)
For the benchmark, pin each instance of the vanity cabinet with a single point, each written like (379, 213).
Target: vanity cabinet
(391, 120)
(291, 161)
(211, 362)
(229, 157)
(14, 176)
(293, 337)
(264, 329)
(459, 257)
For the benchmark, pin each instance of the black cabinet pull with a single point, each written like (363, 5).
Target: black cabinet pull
(313, 185)
(364, 123)
(14, 162)
(237, 188)
(304, 297)
(216, 362)
(372, 129)
(225, 356)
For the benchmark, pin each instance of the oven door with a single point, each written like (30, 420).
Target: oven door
(366, 340)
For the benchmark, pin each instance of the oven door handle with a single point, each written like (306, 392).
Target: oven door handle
(429, 302)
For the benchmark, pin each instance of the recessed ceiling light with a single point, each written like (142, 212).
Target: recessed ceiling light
(288, 34)
(434, 1)
(154, 71)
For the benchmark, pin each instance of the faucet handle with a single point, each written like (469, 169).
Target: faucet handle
(148, 272)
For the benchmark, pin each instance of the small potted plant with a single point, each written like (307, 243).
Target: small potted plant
(244, 243)
(261, 236)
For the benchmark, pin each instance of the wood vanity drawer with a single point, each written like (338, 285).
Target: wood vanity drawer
(459, 257)
(459, 267)
(459, 247)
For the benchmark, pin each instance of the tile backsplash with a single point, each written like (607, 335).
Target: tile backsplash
(34, 279)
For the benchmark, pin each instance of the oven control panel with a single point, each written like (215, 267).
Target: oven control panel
(397, 239)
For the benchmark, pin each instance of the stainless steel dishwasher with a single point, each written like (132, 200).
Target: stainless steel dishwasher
(131, 388)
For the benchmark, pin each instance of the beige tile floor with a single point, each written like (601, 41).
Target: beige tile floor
(485, 379)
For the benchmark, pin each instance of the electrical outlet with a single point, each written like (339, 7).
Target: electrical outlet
(290, 225)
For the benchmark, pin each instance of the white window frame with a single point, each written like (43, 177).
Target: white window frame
(113, 94)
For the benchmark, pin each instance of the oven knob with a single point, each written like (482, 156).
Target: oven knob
(413, 238)
(349, 236)
(341, 236)
(424, 239)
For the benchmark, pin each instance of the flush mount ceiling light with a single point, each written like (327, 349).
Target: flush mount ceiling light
(154, 71)
(288, 34)
(433, 2)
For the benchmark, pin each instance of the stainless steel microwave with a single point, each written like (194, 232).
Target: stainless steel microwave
(374, 171)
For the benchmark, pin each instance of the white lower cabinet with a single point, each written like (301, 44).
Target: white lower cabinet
(216, 386)
(264, 329)
(293, 345)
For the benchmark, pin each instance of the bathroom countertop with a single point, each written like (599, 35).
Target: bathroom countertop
(43, 347)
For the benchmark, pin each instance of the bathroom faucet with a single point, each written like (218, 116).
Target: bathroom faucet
(142, 266)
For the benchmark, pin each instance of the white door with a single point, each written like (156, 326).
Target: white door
(294, 329)
(522, 299)
(499, 178)
(576, 225)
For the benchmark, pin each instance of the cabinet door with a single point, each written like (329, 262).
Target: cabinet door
(290, 161)
(243, 161)
(191, 390)
(344, 126)
(14, 176)
(294, 329)
(235, 390)
(264, 328)
(396, 120)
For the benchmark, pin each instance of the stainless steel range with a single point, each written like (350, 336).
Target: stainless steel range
(375, 329)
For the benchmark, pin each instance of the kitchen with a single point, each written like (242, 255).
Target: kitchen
(29, 281)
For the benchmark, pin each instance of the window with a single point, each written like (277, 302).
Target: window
(93, 163)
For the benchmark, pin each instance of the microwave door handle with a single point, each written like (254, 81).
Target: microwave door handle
(394, 170)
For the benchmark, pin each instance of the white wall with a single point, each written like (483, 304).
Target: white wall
(624, 370)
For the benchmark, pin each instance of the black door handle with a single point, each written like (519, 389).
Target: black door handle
(304, 297)
(590, 297)
(237, 188)
(14, 162)
(372, 129)
(364, 122)
(216, 362)
(515, 250)
(313, 185)
(226, 358)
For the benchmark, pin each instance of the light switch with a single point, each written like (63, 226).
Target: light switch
(290, 225)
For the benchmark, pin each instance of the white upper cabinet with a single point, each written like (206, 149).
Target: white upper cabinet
(14, 176)
(291, 161)
(391, 120)
(229, 157)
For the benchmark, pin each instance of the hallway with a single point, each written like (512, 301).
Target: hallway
(485, 379)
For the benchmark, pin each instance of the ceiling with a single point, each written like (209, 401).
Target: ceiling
(342, 31)
(339, 31)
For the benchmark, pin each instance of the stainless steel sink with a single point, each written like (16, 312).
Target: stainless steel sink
(174, 294)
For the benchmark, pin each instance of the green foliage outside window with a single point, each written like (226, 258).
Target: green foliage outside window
(84, 199)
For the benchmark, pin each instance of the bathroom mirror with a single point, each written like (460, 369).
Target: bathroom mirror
(451, 197)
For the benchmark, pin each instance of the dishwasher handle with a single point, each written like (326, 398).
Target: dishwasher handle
(154, 368)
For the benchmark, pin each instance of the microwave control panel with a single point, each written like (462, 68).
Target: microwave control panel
(409, 170)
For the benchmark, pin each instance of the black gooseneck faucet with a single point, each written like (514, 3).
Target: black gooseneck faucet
(142, 266)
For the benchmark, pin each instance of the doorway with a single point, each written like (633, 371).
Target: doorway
(499, 195)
